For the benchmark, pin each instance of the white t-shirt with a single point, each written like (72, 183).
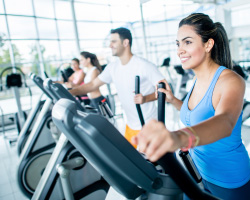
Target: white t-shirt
(123, 77)
(88, 76)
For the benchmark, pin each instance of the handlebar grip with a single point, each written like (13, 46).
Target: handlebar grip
(108, 110)
(137, 85)
(161, 103)
(138, 107)
(188, 162)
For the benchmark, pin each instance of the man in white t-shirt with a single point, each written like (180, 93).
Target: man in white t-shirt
(122, 73)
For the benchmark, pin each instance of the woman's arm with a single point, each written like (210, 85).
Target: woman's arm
(155, 140)
(76, 78)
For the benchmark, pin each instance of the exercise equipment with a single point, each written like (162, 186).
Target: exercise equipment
(184, 155)
(15, 80)
(138, 107)
(246, 105)
(118, 161)
(187, 160)
(29, 123)
(36, 146)
(84, 183)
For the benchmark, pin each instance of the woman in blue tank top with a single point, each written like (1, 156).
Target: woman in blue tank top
(211, 112)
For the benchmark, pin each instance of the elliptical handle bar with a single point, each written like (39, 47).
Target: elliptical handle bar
(138, 107)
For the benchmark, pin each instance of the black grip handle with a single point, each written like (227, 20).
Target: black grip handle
(138, 107)
(102, 110)
(137, 85)
(188, 162)
(108, 110)
(161, 103)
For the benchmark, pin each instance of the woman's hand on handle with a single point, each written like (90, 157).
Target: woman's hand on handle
(170, 98)
(154, 140)
(169, 94)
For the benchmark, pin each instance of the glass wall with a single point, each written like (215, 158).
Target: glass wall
(59, 29)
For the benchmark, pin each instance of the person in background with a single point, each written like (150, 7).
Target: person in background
(211, 112)
(122, 73)
(77, 78)
(90, 61)
(74, 76)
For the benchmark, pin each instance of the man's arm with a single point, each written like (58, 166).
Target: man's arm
(140, 99)
(86, 88)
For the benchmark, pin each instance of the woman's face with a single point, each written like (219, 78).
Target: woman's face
(84, 61)
(190, 48)
(74, 65)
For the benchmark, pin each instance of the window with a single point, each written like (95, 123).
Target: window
(90, 30)
(3, 28)
(92, 12)
(68, 49)
(19, 7)
(22, 27)
(66, 29)
(50, 50)
(4, 55)
(1, 7)
(63, 10)
(25, 51)
(41, 6)
(47, 29)
(85, 44)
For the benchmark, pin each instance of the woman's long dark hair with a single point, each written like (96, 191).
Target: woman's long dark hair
(207, 29)
(93, 59)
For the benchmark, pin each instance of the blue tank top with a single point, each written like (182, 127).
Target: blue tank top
(225, 162)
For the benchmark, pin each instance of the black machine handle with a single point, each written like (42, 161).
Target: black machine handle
(161, 103)
(138, 107)
(188, 162)
(105, 109)
(173, 167)
(185, 156)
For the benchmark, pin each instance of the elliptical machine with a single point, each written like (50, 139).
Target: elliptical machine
(37, 149)
(78, 179)
(32, 117)
(121, 165)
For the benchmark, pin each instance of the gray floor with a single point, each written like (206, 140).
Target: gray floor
(8, 164)
(9, 160)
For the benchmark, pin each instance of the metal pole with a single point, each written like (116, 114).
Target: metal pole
(75, 27)
(144, 33)
(40, 55)
(57, 32)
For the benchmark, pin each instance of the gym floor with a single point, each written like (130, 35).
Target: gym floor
(9, 189)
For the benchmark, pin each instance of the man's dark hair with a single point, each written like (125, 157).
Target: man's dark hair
(124, 33)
